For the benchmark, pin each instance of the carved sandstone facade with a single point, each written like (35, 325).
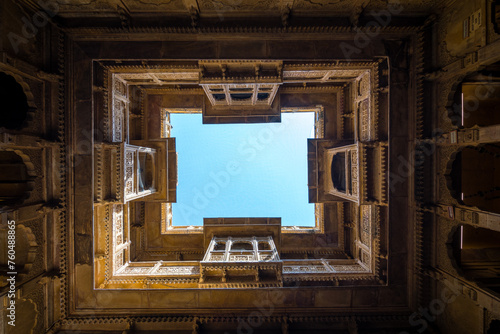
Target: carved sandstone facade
(403, 166)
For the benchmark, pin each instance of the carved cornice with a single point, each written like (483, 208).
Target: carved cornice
(166, 252)
(100, 33)
(419, 253)
(276, 317)
(419, 87)
(106, 106)
(146, 282)
(176, 91)
(98, 154)
(419, 168)
(63, 165)
(346, 280)
(314, 250)
(340, 65)
(333, 89)
(145, 67)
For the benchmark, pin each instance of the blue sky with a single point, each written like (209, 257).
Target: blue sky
(242, 170)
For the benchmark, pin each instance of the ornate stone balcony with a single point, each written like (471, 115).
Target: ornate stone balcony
(355, 172)
(247, 261)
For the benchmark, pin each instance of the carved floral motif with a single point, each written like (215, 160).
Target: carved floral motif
(352, 268)
(366, 217)
(365, 119)
(186, 270)
(305, 269)
(129, 172)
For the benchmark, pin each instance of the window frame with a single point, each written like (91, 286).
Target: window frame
(167, 226)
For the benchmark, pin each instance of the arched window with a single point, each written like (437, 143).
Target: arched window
(15, 108)
(146, 171)
(26, 249)
(475, 98)
(15, 178)
(338, 171)
(474, 178)
(477, 255)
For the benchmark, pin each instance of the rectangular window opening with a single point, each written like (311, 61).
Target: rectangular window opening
(243, 170)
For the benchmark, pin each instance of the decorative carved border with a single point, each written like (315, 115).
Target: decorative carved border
(125, 273)
(121, 273)
(89, 33)
(167, 228)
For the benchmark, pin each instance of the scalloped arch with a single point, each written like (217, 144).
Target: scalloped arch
(30, 99)
(29, 182)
